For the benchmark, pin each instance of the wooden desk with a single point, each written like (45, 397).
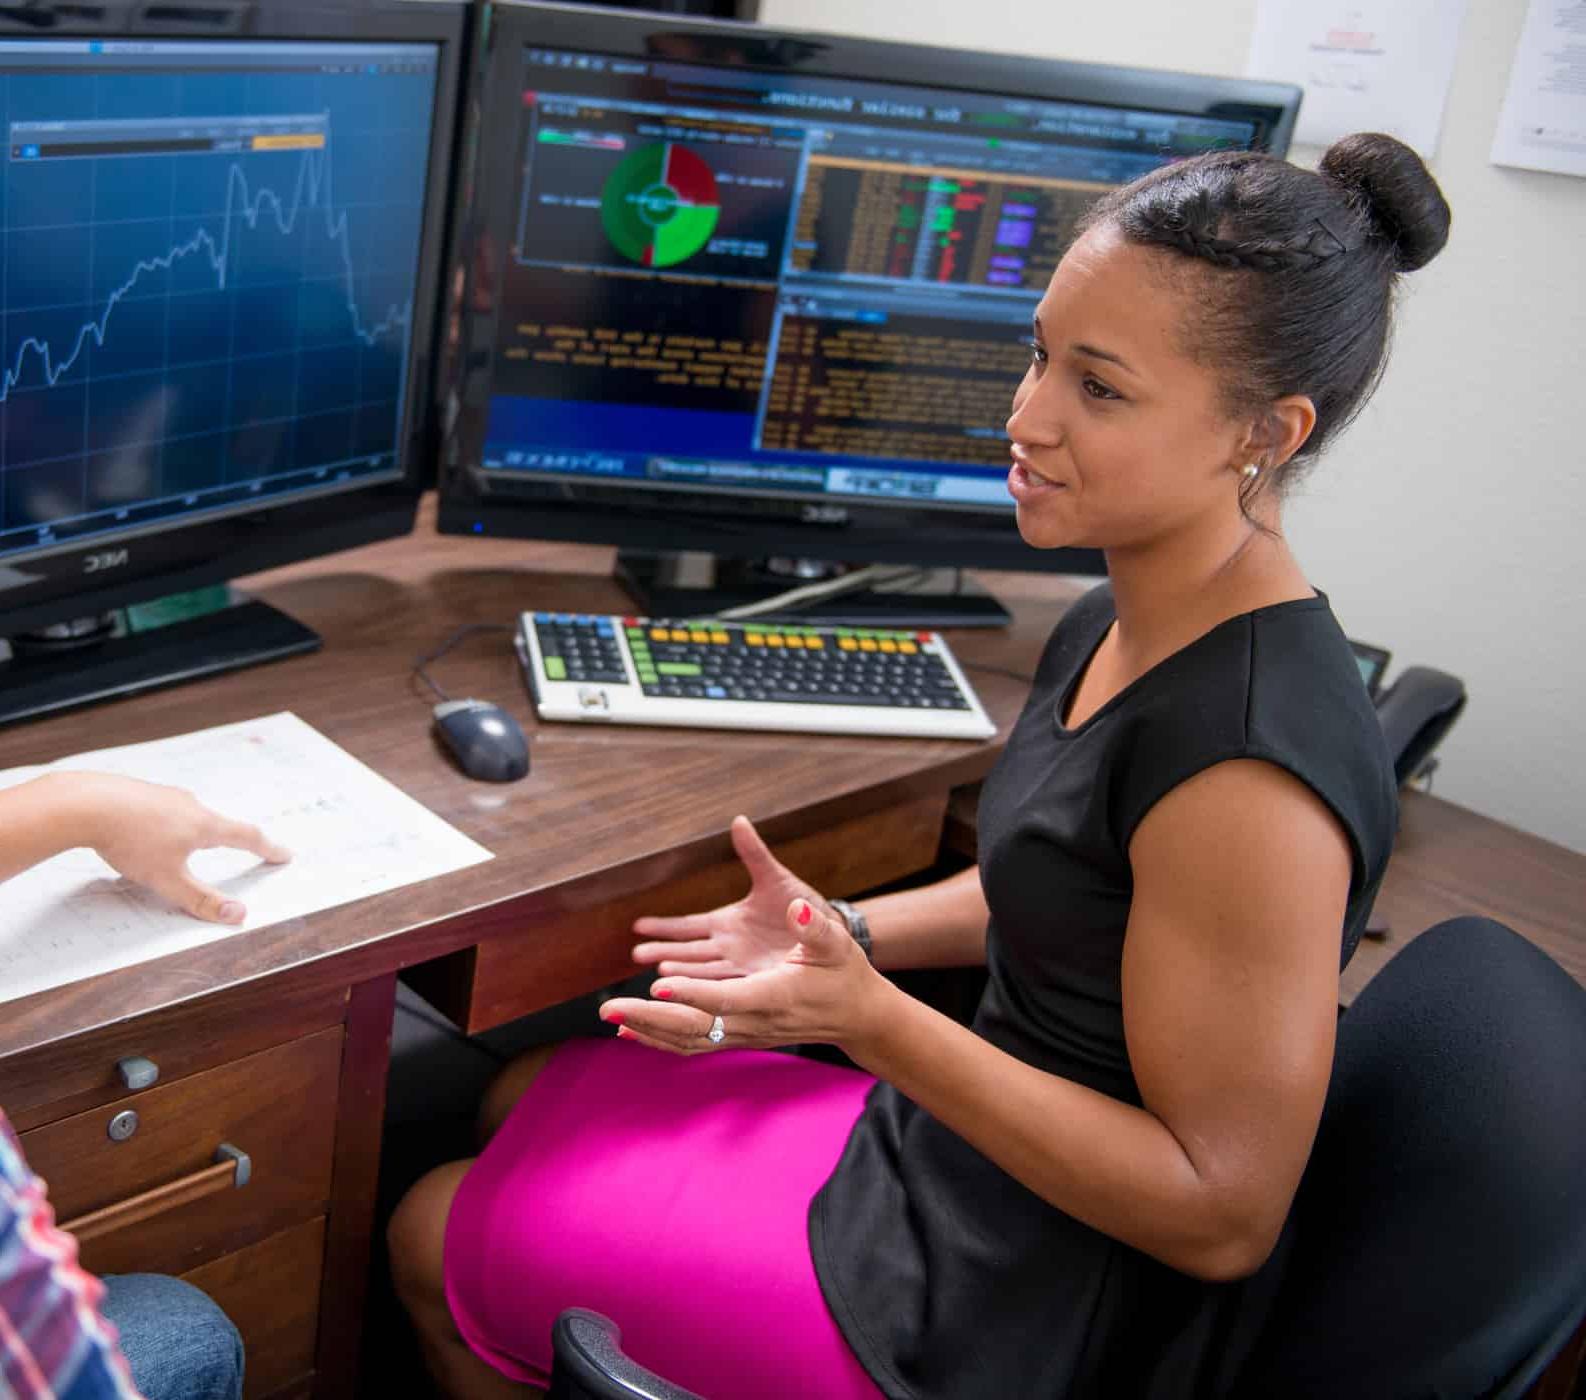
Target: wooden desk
(279, 1042)
(1449, 861)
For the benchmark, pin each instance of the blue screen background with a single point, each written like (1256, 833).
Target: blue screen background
(254, 307)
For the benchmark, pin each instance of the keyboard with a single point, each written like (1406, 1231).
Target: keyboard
(742, 675)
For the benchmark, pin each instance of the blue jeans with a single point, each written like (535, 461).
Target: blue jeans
(179, 1344)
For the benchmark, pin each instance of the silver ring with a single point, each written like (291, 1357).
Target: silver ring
(717, 1032)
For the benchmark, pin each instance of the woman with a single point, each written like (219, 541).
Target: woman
(1178, 850)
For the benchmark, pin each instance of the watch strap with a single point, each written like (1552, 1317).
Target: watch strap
(858, 925)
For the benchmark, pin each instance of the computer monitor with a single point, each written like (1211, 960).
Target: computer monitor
(762, 294)
(223, 230)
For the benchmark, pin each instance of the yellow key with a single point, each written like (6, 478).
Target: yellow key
(753, 639)
(699, 636)
(891, 647)
(847, 644)
(773, 640)
(797, 642)
(814, 644)
(865, 644)
(720, 638)
(660, 634)
(679, 636)
(908, 648)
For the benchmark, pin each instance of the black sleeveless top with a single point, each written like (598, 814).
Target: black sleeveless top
(950, 1280)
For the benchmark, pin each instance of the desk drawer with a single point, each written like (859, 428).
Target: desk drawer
(565, 952)
(270, 1291)
(78, 1074)
(155, 1200)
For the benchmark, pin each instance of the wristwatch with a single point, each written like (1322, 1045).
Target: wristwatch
(858, 927)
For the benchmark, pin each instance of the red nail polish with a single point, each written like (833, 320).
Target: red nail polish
(805, 914)
(664, 993)
(614, 1018)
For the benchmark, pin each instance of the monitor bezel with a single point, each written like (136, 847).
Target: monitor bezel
(879, 533)
(117, 569)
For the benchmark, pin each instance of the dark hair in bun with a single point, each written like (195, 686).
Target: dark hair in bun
(1387, 183)
(1300, 266)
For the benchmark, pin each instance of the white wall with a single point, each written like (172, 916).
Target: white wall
(1448, 523)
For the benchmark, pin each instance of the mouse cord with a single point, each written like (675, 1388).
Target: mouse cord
(459, 635)
(995, 670)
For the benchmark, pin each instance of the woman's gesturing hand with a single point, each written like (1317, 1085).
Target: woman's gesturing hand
(147, 832)
(750, 935)
(822, 991)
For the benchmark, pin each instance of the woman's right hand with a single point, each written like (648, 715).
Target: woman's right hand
(749, 935)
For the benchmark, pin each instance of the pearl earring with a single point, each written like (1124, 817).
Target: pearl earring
(1250, 471)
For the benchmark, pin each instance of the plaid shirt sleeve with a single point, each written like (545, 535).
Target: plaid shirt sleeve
(54, 1345)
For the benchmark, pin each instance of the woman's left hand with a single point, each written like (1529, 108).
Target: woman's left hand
(824, 992)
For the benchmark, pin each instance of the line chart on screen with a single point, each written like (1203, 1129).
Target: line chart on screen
(312, 191)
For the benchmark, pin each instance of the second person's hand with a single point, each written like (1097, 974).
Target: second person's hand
(147, 832)
(750, 935)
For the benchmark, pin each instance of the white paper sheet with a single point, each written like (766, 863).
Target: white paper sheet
(1543, 122)
(350, 831)
(1365, 65)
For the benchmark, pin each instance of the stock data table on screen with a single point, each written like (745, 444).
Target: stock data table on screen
(209, 255)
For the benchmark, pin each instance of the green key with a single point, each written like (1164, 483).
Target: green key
(679, 668)
(555, 668)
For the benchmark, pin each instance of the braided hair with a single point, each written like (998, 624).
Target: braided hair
(1301, 266)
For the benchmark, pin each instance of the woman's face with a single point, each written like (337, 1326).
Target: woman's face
(1118, 438)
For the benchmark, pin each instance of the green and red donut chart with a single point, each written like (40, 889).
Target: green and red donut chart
(660, 205)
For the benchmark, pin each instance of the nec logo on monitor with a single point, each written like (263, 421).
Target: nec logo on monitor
(105, 559)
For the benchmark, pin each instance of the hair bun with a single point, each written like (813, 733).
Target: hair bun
(1388, 183)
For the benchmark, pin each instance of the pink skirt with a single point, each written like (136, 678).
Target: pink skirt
(673, 1196)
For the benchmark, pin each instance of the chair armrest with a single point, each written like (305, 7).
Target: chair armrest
(1415, 712)
(590, 1364)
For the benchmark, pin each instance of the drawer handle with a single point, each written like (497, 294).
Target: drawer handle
(137, 1071)
(232, 1168)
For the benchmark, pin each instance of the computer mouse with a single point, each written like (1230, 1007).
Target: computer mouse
(485, 740)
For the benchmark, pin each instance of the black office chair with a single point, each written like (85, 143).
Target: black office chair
(590, 1364)
(1439, 1234)
(1415, 712)
(1437, 1246)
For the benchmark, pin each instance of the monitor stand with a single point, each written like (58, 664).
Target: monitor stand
(702, 585)
(105, 659)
